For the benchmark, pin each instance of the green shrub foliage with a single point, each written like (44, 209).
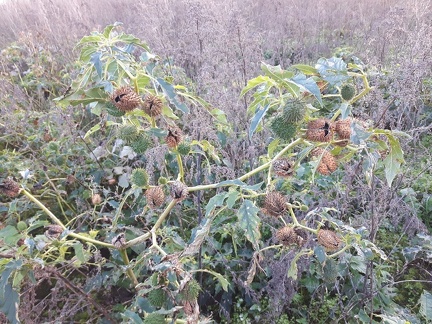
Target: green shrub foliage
(258, 231)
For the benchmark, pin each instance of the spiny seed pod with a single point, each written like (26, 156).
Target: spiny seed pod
(294, 110)
(154, 318)
(183, 148)
(155, 197)
(283, 167)
(113, 110)
(348, 92)
(157, 297)
(274, 204)
(191, 291)
(139, 178)
(329, 240)
(282, 129)
(128, 133)
(287, 236)
(327, 164)
(119, 241)
(343, 128)
(162, 181)
(96, 199)
(152, 105)
(174, 137)
(125, 98)
(141, 144)
(320, 130)
(10, 188)
(21, 226)
(179, 191)
(53, 231)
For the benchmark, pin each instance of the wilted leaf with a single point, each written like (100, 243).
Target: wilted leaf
(393, 160)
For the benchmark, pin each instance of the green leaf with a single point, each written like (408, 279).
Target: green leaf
(281, 77)
(393, 160)
(96, 61)
(92, 130)
(256, 119)
(254, 83)
(333, 70)
(9, 305)
(250, 222)
(7, 271)
(309, 85)
(224, 283)
(215, 201)
(272, 147)
(306, 69)
(10, 235)
(90, 39)
(132, 317)
(79, 252)
(109, 28)
(426, 304)
(345, 109)
(169, 91)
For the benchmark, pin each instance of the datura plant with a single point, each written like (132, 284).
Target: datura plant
(306, 113)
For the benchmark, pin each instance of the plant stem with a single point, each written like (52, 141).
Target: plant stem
(158, 223)
(129, 270)
(180, 166)
(58, 222)
(252, 172)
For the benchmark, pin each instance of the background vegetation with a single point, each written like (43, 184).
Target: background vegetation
(212, 49)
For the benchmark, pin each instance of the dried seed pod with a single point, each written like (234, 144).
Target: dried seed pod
(329, 240)
(283, 167)
(96, 199)
(274, 204)
(53, 231)
(47, 136)
(119, 241)
(343, 128)
(155, 197)
(327, 164)
(152, 105)
(287, 236)
(179, 191)
(125, 99)
(10, 188)
(320, 130)
(174, 137)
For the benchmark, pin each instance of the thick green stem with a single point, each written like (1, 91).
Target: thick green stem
(252, 172)
(129, 270)
(180, 166)
(339, 252)
(297, 224)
